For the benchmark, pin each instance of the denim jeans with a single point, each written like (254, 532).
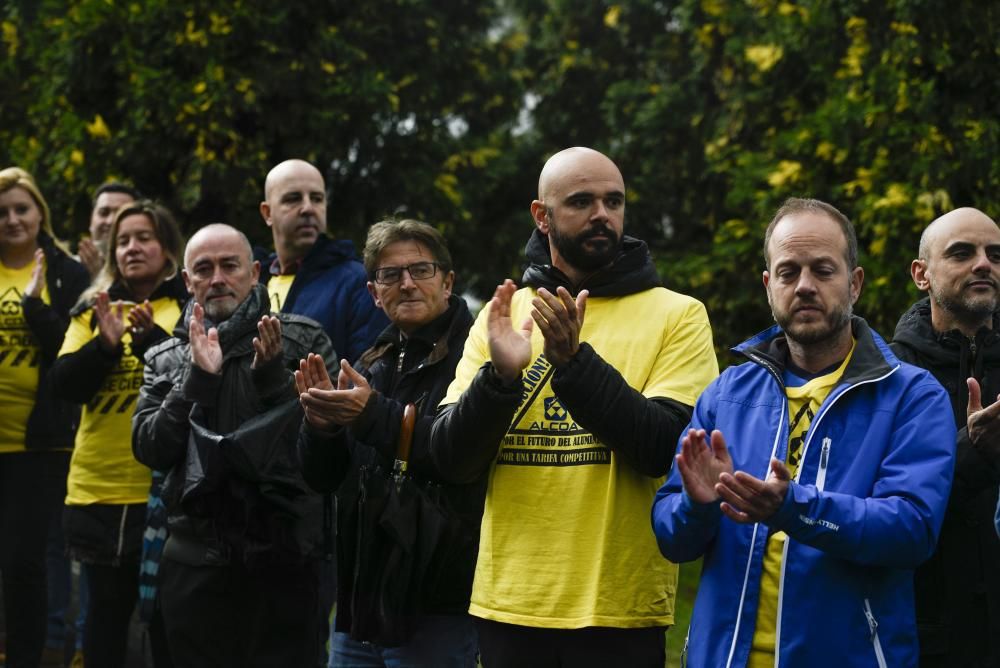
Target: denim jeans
(442, 641)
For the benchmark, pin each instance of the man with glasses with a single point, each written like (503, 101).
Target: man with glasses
(574, 415)
(356, 424)
(310, 273)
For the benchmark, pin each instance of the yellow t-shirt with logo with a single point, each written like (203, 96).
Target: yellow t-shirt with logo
(19, 358)
(566, 540)
(103, 469)
(277, 288)
(803, 402)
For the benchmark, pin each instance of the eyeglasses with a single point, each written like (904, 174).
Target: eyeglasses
(418, 271)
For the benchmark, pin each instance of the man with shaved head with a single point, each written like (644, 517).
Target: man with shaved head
(572, 393)
(219, 410)
(310, 273)
(954, 334)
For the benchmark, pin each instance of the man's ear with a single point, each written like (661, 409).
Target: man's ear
(449, 283)
(766, 277)
(255, 270)
(265, 212)
(374, 294)
(539, 213)
(857, 282)
(187, 281)
(918, 271)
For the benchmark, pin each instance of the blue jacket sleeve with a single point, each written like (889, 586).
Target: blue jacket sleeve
(897, 524)
(685, 529)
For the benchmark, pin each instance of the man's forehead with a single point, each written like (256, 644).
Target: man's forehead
(216, 249)
(113, 199)
(807, 233)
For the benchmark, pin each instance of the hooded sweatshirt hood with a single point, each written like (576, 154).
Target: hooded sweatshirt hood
(632, 271)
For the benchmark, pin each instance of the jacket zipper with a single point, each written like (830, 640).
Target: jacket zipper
(873, 628)
(824, 460)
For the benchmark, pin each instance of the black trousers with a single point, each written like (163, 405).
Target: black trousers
(32, 485)
(513, 646)
(229, 616)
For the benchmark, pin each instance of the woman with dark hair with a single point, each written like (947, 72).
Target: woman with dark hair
(132, 304)
(39, 283)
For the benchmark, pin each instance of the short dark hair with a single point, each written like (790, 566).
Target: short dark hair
(794, 205)
(387, 232)
(114, 187)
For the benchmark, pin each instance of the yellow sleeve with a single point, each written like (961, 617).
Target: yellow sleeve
(686, 363)
(78, 334)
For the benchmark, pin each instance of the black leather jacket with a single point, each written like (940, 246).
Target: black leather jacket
(958, 588)
(417, 369)
(233, 490)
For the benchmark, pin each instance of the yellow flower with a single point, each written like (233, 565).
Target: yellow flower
(98, 129)
(764, 56)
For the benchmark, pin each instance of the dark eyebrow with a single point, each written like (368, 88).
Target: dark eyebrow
(959, 246)
(587, 193)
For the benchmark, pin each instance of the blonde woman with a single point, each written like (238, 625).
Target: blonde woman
(39, 283)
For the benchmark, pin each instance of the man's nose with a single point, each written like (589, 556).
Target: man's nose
(405, 280)
(600, 210)
(982, 263)
(806, 284)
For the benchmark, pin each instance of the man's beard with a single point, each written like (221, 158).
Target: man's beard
(575, 252)
(828, 328)
(966, 309)
(220, 311)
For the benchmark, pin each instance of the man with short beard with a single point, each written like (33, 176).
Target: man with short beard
(813, 477)
(573, 415)
(310, 273)
(955, 334)
(219, 410)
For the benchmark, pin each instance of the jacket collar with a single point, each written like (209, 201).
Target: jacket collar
(434, 335)
(326, 252)
(632, 271)
(872, 358)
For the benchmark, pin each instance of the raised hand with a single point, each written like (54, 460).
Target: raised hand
(700, 464)
(267, 346)
(141, 322)
(37, 280)
(560, 319)
(206, 353)
(983, 423)
(91, 257)
(110, 321)
(325, 406)
(747, 499)
(510, 349)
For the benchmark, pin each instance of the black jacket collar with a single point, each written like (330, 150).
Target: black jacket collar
(632, 271)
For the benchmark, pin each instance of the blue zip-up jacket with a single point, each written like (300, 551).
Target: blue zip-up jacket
(863, 511)
(331, 287)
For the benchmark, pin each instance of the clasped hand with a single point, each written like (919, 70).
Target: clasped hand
(706, 470)
(327, 407)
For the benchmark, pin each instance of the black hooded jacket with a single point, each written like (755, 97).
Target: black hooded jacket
(958, 588)
(234, 490)
(415, 369)
(592, 390)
